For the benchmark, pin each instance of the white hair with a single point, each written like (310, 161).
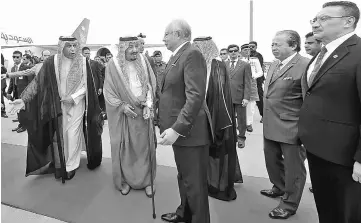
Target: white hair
(181, 26)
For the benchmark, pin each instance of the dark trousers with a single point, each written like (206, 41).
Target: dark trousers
(192, 163)
(337, 195)
(241, 121)
(156, 110)
(285, 165)
(101, 102)
(260, 95)
(2, 101)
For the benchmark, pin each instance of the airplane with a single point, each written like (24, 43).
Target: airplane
(10, 43)
(14, 42)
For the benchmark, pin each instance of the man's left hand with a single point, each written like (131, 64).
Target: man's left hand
(168, 137)
(356, 175)
(68, 101)
(100, 91)
(244, 102)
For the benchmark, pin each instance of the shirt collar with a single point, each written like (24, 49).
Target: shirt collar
(337, 42)
(176, 51)
(236, 60)
(288, 59)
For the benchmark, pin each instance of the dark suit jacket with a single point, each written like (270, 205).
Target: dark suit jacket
(283, 100)
(330, 117)
(182, 105)
(22, 82)
(240, 79)
(98, 73)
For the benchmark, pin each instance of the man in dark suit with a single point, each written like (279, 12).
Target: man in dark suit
(184, 122)
(18, 84)
(283, 152)
(98, 71)
(330, 117)
(240, 75)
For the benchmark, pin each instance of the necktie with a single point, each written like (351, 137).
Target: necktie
(317, 65)
(16, 79)
(232, 65)
(277, 71)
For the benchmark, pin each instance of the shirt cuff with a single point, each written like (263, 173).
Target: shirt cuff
(77, 96)
(178, 133)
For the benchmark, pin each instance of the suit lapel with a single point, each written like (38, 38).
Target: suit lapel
(335, 57)
(285, 68)
(173, 61)
(270, 75)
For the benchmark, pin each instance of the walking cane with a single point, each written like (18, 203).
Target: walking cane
(151, 167)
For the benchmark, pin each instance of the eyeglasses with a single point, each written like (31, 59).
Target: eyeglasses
(233, 51)
(222, 54)
(16, 57)
(324, 18)
(252, 47)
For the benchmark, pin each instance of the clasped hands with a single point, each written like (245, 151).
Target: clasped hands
(129, 111)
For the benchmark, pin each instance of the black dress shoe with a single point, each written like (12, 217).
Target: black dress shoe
(261, 121)
(21, 129)
(4, 115)
(249, 128)
(15, 120)
(70, 175)
(311, 189)
(241, 144)
(239, 181)
(279, 213)
(271, 193)
(16, 129)
(172, 217)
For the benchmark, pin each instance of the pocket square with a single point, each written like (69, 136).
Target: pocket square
(288, 78)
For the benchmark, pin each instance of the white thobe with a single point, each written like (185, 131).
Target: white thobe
(74, 141)
(136, 85)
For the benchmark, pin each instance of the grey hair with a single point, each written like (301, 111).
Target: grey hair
(182, 27)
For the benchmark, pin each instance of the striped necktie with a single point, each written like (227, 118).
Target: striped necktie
(276, 72)
(317, 65)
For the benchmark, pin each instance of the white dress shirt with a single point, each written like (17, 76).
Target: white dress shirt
(287, 60)
(176, 50)
(332, 46)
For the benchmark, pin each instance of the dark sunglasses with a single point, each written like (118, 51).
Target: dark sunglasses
(222, 54)
(16, 57)
(233, 51)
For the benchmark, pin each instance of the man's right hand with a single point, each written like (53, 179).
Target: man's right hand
(128, 111)
(16, 106)
(3, 76)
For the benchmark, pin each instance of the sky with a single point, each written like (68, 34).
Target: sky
(226, 21)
